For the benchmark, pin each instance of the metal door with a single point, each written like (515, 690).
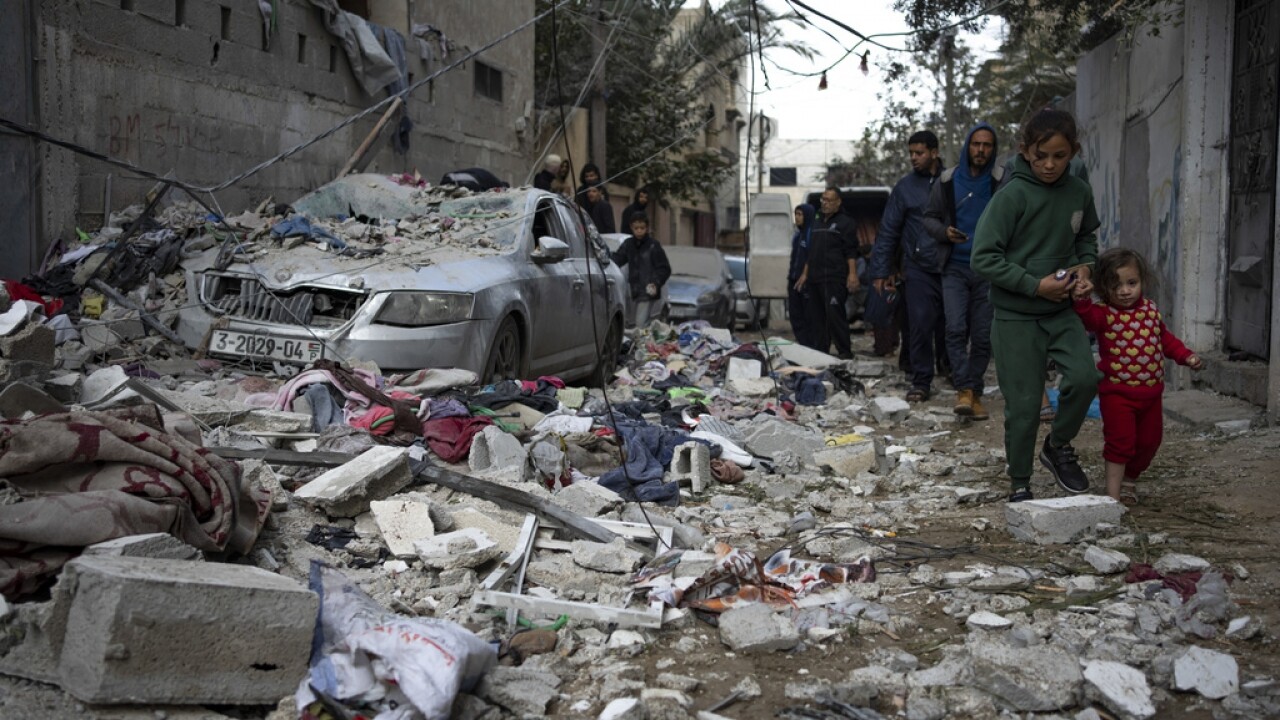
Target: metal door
(1251, 222)
(17, 152)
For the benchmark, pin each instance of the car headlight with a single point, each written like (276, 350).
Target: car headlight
(421, 309)
(709, 298)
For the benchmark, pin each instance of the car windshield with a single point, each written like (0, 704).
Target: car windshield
(696, 262)
(499, 210)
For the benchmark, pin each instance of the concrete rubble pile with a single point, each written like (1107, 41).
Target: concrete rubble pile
(781, 492)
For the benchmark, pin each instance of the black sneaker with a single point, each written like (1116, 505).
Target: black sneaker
(1065, 467)
(1021, 494)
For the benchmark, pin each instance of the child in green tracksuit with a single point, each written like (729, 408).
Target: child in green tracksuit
(1037, 243)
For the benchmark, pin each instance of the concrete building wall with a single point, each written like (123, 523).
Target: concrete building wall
(809, 157)
(188, 87)
(1155, 123)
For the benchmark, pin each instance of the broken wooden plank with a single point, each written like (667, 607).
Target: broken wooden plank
(649, 618)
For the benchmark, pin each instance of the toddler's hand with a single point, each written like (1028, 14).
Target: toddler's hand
(1082, 288)
(1194, 362)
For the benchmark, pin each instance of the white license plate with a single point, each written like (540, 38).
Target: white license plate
(255, 345)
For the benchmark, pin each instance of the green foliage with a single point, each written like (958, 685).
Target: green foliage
(659, 80)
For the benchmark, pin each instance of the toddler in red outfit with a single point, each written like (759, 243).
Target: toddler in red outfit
(1133, 342)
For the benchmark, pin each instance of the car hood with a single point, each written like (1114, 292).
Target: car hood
(684, 290)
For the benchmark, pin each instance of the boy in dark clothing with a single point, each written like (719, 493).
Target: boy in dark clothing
(600, 210)
(830, 274)
(797, 300)
(648, 270)
(641, 203)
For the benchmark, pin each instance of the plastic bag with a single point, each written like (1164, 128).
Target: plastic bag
(368, 657)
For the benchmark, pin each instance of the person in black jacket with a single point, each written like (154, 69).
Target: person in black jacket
(830, 274)
(600, 210)
(648, 271)
(640, 203)
(590, 177)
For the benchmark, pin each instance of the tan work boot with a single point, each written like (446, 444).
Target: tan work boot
(964, 403)
(979, 412)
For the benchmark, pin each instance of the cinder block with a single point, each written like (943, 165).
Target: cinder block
(691, 463)
(346, 491)
(33, 342)
(1060, 520)
(142, 630)
(152, 545)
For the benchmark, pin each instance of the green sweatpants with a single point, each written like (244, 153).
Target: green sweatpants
(1022, 349)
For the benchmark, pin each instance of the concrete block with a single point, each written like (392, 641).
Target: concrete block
(522, 691)
(743, 369)
(757, 628)
(587, 498)
(346, 491)
(1060, 520)
(848, 460)
(1178, 563)
(496, 452)
(767, 435)
(401, 522)
(1213, 674)
(614, 557)
(152, 545)
(466, 548)
(1122, 689)
(275, 421)
(143, 630)
(1203, 410)
(500, 531)
(798, 354)
(32, 342)
(869, 368)
(889, 410)
(1107, 562)
(691, 464)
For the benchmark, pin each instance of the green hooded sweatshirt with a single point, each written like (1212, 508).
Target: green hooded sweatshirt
(1030, 230)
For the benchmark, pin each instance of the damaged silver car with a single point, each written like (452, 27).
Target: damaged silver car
(505, 284)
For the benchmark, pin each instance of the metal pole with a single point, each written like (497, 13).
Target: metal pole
(598, 105)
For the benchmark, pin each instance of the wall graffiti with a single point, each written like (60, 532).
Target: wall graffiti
(1164, 207)
(157, 135)
(1104, 177)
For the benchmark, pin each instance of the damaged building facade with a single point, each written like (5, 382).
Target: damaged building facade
(1180, 134)
(206, 90)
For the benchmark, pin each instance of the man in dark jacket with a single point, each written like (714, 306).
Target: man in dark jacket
(648, 270)
(903, 226)
(641, 203)
(956, 203)
(830, 274)
(600, 210)
(797, 300)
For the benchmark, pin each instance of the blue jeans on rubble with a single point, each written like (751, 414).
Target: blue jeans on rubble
(967, 304)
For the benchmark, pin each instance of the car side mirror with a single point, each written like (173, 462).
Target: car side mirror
(550, 250)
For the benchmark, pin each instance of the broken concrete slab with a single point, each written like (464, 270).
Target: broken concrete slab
(1107, 562)
(465, 548)
(743, 368)
(145, 630)
(151, 545)
(497, 453)
(402, 522)
(505, 534)
(614, 557)
(848, 460)
(1060, 520)
(757, 628)
(346, 491)
(522, 691)
(18, 398)
(984, 620)
(1179, 562)
(586, 498)
(1038, 679)
(275, 421)
(767, 435)
(691, 465)
(798, 354)
(1121, 688)
(1213, 674)
(752, 387)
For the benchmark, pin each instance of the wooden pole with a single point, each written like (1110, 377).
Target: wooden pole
(373, 135)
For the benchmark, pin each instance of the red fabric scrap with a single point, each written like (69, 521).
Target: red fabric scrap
(450, 437)
(18, 291)
(1183, 583)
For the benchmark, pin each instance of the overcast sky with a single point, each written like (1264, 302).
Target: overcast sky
(849, 102)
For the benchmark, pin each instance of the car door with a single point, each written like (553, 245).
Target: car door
(553, 340)
(584, 348)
